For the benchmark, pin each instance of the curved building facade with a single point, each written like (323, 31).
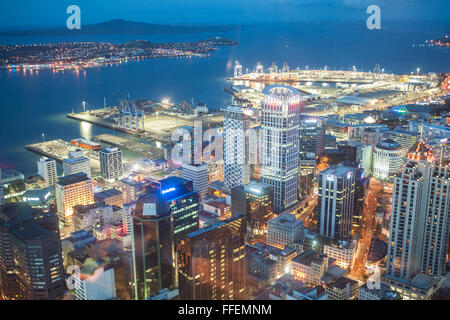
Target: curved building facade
(280, 121)
(388, 159)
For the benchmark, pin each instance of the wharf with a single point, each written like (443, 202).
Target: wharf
(134, 146)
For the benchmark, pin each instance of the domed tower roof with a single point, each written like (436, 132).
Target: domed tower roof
(421, 152)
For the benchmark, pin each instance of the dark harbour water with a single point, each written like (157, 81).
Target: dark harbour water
(32, 104)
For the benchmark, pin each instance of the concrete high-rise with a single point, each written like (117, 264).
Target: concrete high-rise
(236, 146)
(72, 190)
(76, 163)
(198, 174)
(31, 265)
(111, 165)
(47, 170)
(280, 144)
(212, 262)
(284, 229)
(388, 159)
(336, 201)
(419, 223)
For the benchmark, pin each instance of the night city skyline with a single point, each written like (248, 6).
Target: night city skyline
(246, 154)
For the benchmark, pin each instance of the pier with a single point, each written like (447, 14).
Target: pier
(59, 149)
(144, 149)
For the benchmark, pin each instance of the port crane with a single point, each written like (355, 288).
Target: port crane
(129, 116)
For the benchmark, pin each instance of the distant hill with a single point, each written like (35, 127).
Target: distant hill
(119, 26)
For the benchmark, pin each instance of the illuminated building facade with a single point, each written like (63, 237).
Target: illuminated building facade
(198, 174)
(154, 264)
(336, 201)
(70, 191)
(254, 200)
(236, 146)
(284, 229)
(111, 166)
(312, 143)
(76, 163)
(112, 197)
(31, 265)
(212, 262)
(280, 121)
(388, 159)
(184, 205)
(132, 187)
(343, 251)
(310, 266)
(420, 222)
(47, 170)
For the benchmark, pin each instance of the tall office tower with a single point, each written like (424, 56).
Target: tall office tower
(357, 152)
(76, 163)
(70, 191)
(31, 265)
(336, 201)
(312, 142)
(255, 152)
(280, 144)
(154, 261)
(388, 159)
(184, 205)
(2, 194)
(212, 262)
(47, 170)
(420, 222)
(254, 200)
(236, 146)
(198, 174)
(111, 166)
(361, 185)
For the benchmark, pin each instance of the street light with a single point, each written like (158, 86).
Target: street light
(43, 137)
(84, 106)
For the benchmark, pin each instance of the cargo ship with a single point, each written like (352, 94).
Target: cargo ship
(83, 143)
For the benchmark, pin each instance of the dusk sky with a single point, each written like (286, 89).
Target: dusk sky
(27, 13)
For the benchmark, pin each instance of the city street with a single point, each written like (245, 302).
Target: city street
(368, 228)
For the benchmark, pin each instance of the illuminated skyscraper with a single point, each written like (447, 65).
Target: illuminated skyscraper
(154, 262)
(111, 166)
(236, 146)
(388, 159)
(47, 170)
(72, 190)
(254, 200)
(212, 262)
(76, 163)
(183, 203)
(336, 201)
(312, 143)
(198, 174)
(280, 144)
(31, 265)
(420, 221)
